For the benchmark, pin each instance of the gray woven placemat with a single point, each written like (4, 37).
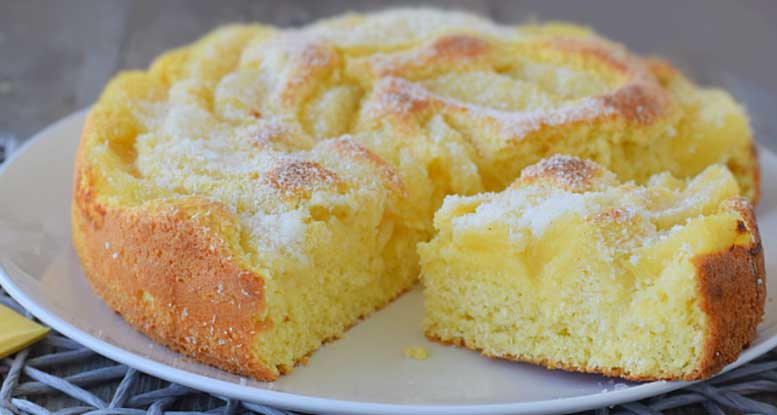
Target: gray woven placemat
(59, 376)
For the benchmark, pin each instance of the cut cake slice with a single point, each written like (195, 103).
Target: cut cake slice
(570, 269)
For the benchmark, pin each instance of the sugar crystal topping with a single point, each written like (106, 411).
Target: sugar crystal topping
(247, 137)
(563, 185)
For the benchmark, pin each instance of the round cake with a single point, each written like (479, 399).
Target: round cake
(252, 195)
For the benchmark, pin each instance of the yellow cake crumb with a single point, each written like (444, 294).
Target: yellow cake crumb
(417, 353)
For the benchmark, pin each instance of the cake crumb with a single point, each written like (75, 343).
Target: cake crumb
(417, 353)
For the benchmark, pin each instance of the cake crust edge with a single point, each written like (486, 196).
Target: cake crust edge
(127, 252)
(186, 296)
(732, 287)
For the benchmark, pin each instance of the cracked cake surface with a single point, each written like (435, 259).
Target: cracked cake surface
(252, 195)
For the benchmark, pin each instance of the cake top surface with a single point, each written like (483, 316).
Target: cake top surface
(563, 185)
(276, 123)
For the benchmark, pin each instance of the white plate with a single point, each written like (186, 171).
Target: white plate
(365, 372)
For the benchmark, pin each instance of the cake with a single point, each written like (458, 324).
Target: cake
(254, 194)
(572, 269)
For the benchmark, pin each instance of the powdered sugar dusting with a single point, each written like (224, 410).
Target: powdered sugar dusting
(442, 50)
(631, 216)
(284, 232)
(399, 96)
(571, 173)
(518, 125)
(404, 26)
(518, 210)
(246, 141)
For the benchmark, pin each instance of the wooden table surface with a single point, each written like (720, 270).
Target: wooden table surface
(55, 57)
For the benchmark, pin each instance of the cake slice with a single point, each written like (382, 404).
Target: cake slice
(570, 269)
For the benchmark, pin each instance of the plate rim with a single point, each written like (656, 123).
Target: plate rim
(299, 402)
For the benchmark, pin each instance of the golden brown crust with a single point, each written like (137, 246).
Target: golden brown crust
(168, 258)
(640, 99)
(732, 290)
(455, 50)
(459, 46)
(294, 178)
(205, 304)
(566, 172)
(311, 62)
